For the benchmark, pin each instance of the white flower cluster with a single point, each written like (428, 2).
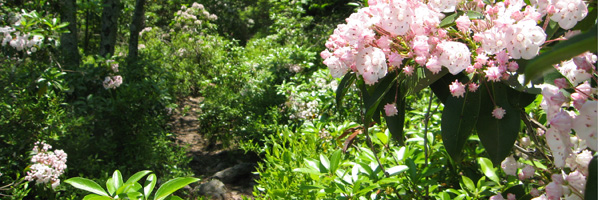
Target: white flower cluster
(47, 165)
(192, 16)
(20, 41)
(114, 81)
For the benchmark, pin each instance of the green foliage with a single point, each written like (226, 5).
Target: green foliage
(131, 189)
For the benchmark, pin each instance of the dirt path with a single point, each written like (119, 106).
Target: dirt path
(209, 159)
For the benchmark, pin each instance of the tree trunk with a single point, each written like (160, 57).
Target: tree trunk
(109, 31)
(68, 47)
(137, 23)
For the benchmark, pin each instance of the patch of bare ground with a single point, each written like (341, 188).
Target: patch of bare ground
(212, 161)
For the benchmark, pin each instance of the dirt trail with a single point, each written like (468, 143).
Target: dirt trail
(208, 158)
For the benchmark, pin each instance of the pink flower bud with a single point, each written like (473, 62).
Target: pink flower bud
(457, 89)
(498, 113)
(390, 110)
(509, 166)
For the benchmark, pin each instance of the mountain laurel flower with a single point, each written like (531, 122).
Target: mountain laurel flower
(390, 110)
(585, 124)
(497, 197)
(498, 113)
(569, 12)
(472, 87)
(554, 191)
(408, 70)
(463, 23)
(509, 166)
(493, 74)
(47, 165)
(526, 173)
(562, 83)
(455, 56)
(511, 196)
(457, 89)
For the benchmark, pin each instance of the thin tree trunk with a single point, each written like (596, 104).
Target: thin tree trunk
(86, 40)
(137, 23)
(69, 41)
(110, 14)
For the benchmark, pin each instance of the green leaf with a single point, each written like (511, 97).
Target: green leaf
(134, 195)
(395, 123)
(459, 117)
(148, 186)
(87, 185)
(342, 89)
(110, 186)
(449, 20)
(173, 185)
(96, 197)
(174, 197)
(468, 183)
(592, 184)
(564, 50)
(325, 162)
(117, 179)
(520, 99)
(308, 171)
(137, 176)
(497, 135)
(372, 101)
(488, 169)
(335, 160)
(382, 137)
(397, 169)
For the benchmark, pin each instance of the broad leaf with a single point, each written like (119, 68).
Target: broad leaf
(564, 50)
(468, 183)
(134, 195)
(395, 123)
(325, 162)
(342, 89)
(117, 179)
(137, 176)
(591, 185)
(488, 169)
(497, 135)
(397, 169)
(335, 160)
(372, 101)
(459, 117)
(148, 186)
(96, 197)
(87, 185)
(173, 185)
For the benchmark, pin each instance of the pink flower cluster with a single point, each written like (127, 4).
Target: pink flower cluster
(112, 82)
(399, 34)
(47, 165)
(20, 41)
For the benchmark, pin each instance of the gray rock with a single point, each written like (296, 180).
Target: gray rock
(214, 189)
(231, 174)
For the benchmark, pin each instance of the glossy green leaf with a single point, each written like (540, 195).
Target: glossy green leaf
(592, 184)
(137, 176)
(449, 20)
(564, 50)
(148, 186)
(335, 160)
(459, 117)
(96, 197)
(395, 123)
(325, 162)
(342, 89)
(87, 185)
(110, 186)
(373, 100)
(134, 195)
(173, 185)
(117, 179)
(497, 135)
(488, 169)
(468, 183)
(174, 197)
(519, 99)
(397, 169)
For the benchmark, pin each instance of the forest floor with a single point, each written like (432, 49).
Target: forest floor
(210, 157)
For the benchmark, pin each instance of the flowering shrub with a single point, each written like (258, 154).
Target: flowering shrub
(392, 49)
(47, 165)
